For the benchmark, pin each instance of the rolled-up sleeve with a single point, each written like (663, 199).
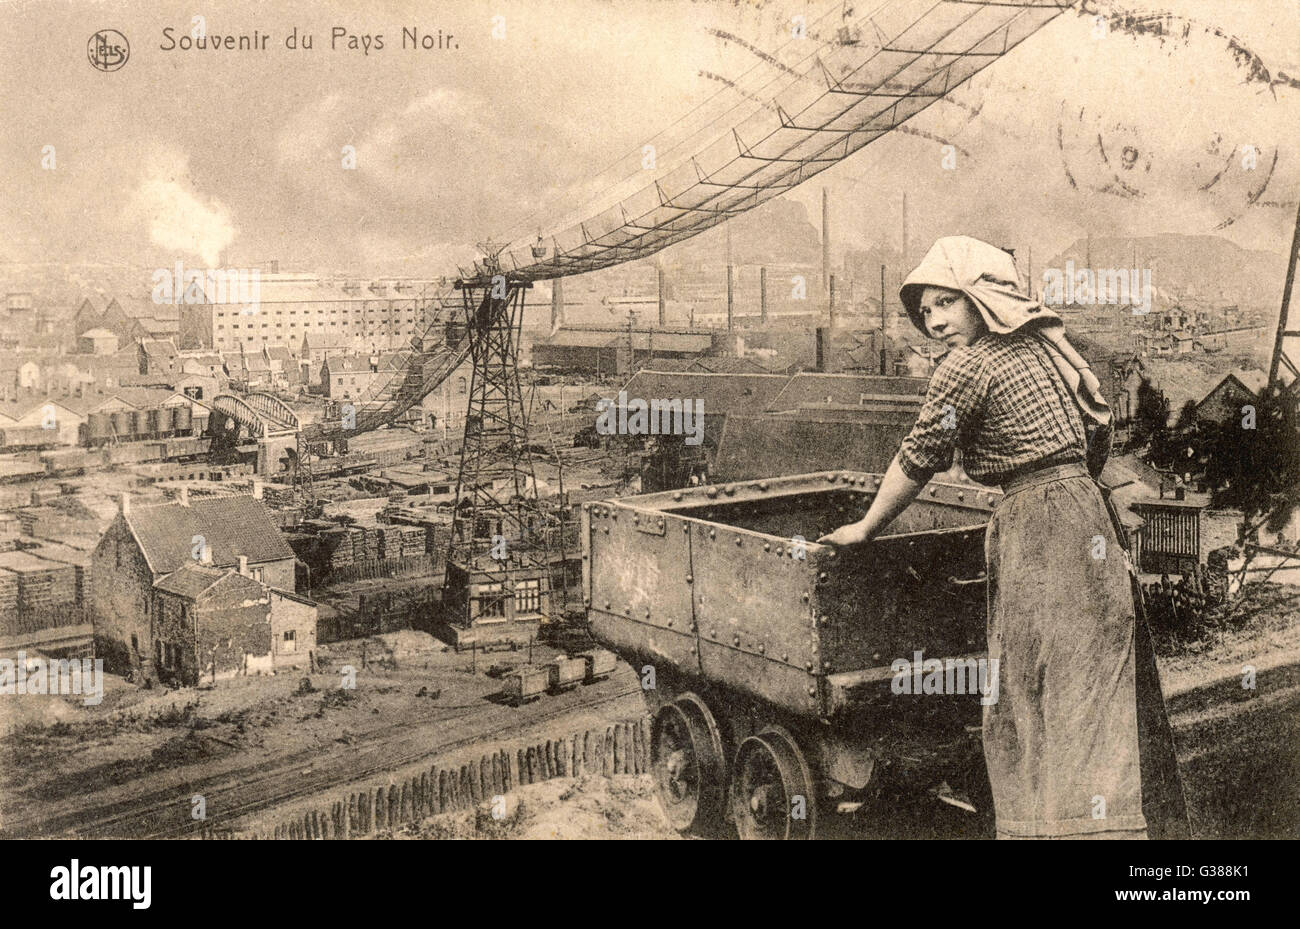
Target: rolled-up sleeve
(953, 405)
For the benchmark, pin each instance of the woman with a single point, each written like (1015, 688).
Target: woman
(1078, 734)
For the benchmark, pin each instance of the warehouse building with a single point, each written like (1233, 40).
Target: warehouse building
(613, 350)
(367, 317)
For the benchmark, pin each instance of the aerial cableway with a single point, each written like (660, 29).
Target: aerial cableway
(848, 94)
(877, 73)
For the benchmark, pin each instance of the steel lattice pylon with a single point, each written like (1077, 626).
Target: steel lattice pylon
(1281, 359)
(499, 532)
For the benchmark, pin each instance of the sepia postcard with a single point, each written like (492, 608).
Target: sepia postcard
(614, 419)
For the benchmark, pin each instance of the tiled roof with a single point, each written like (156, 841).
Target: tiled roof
(231, 526)
(768, 446)
(141, 308)
(188, 581)
(1252, 379)
(202, 361)
(1181, 381)
(142, 398)
(156, 326)
(347, 364)
(641, 340)
(17, 409)
(191, 580)
(725, 364)
(568, 339)
(721, 393)
(707, 364)
(810, 389)
(162, 347)
(668, 364)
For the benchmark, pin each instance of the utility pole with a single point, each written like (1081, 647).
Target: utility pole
(762, 294)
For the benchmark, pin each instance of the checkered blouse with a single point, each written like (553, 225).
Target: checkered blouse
(1002, 402)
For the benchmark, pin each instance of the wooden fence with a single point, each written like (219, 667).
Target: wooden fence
(621, 748)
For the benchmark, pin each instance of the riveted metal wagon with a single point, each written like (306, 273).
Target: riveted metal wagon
(772, 657)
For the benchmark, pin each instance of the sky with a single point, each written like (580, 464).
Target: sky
(199, 154)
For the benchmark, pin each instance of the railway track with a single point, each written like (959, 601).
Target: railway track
(235, 794)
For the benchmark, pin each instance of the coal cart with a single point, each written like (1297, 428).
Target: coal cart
(779, 671)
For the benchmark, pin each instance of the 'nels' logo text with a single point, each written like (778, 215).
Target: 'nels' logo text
(108, 50)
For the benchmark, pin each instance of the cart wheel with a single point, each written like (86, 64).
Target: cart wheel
(686, 757)
(772, 790)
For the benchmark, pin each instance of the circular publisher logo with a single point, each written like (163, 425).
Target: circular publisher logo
(108, 50)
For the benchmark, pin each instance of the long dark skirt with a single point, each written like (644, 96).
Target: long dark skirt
(1064, 742)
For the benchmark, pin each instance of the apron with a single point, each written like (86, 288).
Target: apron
(1078, 690)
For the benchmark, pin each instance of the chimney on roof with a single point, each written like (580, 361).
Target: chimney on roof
(184, 498)
(126, 504)
(257, 490)
(243, 565)
(205, 554)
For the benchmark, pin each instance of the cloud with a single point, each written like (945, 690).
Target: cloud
(177, 217)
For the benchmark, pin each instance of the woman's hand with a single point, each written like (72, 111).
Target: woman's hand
(848, 534)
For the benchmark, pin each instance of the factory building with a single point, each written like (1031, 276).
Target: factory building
(613, 350)
(371, 317)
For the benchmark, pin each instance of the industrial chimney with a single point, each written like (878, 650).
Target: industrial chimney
(826, 241)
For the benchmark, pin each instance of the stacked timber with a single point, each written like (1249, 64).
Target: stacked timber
(43, 586)
(8, 603)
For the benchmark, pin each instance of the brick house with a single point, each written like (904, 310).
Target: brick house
(1224, 401)
(293, 628)
(146, 543)
(208, 621)
(348, 377)
(214, 623)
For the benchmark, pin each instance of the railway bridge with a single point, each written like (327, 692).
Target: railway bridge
(265, 418)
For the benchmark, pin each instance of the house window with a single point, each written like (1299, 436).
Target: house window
(258, 574)
(528, 596)
(492, 602)
(290, 640)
